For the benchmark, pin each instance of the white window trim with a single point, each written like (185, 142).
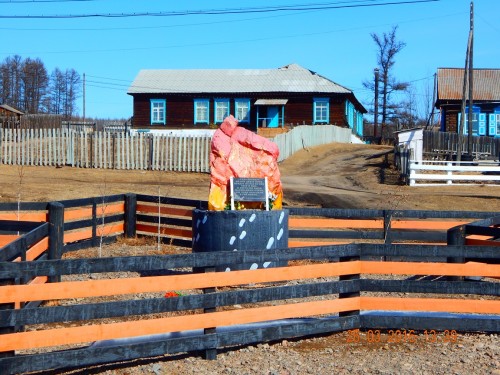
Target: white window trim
(152, 108)
(196, 103)
(315, 103)
(216, 102)
(236, 107)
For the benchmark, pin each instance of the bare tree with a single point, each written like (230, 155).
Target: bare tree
(65, 88)
(11, 88)
(387, 48)
(26, 85)
(35, 82)
(406, 114)
(72, 92)
(57, 88)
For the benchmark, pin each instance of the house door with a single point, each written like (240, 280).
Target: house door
(272, 116)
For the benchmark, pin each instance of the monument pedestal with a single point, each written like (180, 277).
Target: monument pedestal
(239, 230)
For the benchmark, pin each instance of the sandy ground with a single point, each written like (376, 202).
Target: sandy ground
(334, 175)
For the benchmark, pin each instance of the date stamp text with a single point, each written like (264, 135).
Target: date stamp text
(399, 336)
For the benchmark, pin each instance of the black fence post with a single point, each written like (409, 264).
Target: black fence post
(95, 241)
(456, 236)
(210, 353)
(130, 215)
(56, 234)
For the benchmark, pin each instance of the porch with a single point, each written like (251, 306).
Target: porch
(270, 113)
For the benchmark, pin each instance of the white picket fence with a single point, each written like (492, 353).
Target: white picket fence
(432, 173)
(112, 150)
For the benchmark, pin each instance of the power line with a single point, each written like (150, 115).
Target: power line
(154, 27)
(205, 44)
(225, 11)
(488, 23)
(43, 1)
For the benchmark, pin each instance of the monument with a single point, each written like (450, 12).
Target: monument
(245, 198)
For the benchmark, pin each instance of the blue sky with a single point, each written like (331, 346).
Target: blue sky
(335, 43)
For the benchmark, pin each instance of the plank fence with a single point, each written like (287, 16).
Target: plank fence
(332, 226)
(325, 288)
(120, 150)
(306, 136)
(444, 145)
(106, 150)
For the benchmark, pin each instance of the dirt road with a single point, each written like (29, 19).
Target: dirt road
(334, 175)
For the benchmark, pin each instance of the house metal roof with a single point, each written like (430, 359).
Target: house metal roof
(289, 78)
(486, 84)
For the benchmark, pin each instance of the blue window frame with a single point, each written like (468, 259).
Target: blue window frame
(321, 110)
(492, 124)
(221, 109)
(158, 111)
(350, 113)
(476, 115)
(498, 124)
(201, 111)
(242, 110)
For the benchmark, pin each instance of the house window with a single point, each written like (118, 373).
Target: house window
(321, 110)
(158, 111)
(242, 109)
(350, 114)
(221, 110)
(201, 111)
(498, 123)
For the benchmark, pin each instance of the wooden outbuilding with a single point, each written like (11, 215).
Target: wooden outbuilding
(8, 111)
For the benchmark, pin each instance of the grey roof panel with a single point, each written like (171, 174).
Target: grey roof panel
(290, 78)
(271, 101)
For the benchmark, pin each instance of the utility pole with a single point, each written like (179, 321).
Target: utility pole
(471, 82)
(375, 104)
(84, 98)
(430, 120)
(461, 124)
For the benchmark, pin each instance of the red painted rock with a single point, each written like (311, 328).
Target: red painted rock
(238, 152)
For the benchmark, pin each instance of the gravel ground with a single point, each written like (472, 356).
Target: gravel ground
(340, 353)
(333, 354)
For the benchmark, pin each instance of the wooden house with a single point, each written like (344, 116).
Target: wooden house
(9, 116)
(8, 111)
(258, 98)
(486, 100)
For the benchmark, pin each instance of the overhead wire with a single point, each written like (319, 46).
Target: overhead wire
(224, 11)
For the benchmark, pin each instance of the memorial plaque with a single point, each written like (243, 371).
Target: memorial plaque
(249, 189)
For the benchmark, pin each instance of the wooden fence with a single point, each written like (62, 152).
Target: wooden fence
(444, 145)
(120, 150)
(305, 136)
(128, 316)
(108, 150)
(88, 222)
(331, 226)
(432, 173)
